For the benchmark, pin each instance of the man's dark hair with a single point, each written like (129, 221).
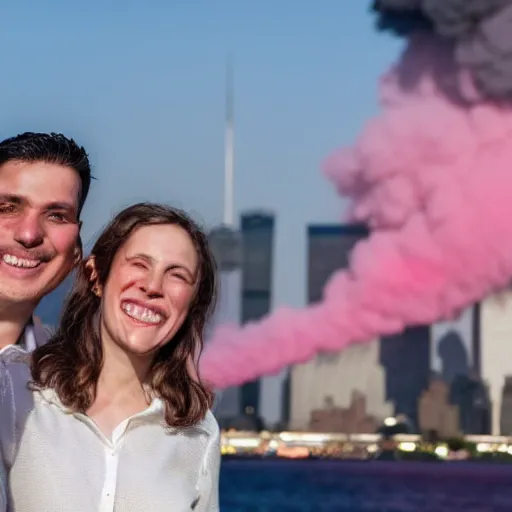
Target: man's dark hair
(52, 148)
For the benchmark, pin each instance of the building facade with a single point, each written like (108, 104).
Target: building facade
(470, 395)
(334, 378)
(257, 236)
(494, 337)
(405, 358)
(506, 408)
(225, 244)
(437, 417)
(452, 347)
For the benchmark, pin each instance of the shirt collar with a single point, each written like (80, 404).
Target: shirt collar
(153, 414)
(28, 337)
(50, 396)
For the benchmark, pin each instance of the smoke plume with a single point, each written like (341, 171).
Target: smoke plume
(431, 176)
(478, 32)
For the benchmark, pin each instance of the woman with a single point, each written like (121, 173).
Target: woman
(110, 415)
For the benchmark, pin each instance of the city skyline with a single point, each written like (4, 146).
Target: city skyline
(146, 95)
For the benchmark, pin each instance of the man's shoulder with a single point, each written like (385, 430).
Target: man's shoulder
(14, 368)
(16, 400)
(14, 355)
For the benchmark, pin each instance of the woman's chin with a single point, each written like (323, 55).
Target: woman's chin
(139, 348)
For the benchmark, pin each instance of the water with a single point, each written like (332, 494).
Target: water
(328, 486)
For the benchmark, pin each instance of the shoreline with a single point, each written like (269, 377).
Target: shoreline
(469, 468)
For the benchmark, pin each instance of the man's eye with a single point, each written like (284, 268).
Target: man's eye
(7, 208)
(58, 217)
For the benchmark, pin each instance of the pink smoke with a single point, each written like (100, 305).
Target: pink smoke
(432, 177)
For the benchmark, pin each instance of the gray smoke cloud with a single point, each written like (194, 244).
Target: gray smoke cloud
(479, 30)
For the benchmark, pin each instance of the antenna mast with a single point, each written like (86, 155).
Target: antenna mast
(229, 149)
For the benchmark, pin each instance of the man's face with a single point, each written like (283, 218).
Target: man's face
(39, 229)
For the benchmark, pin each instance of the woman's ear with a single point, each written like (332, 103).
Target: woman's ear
(90, 266)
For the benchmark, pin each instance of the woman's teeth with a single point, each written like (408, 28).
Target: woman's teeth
(141, 313)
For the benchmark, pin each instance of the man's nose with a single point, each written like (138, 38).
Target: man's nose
(29, 231)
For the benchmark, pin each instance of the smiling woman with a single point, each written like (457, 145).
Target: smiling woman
(151, 284)
(117, 387)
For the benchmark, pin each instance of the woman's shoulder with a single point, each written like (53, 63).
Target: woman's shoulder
(209, 425)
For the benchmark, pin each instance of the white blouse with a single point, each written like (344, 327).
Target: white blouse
(55, 460)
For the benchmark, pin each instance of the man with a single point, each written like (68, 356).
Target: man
(44, 181)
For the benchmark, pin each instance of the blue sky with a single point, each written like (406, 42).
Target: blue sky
(143, 89)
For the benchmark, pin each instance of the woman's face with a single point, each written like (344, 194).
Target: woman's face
(149, 289)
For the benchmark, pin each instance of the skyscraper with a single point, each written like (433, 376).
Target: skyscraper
(226, 247)
(257, 232)
(452, 347)
(406, 359)
(225, 243)
(471, 397)
(493, 336)
(335, 378)
(506, 408)
(456, 357)
(329, 248)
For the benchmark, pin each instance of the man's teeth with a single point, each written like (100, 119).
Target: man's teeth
(19, 262)
(142, 314)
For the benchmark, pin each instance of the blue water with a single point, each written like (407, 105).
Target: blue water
(327, 486)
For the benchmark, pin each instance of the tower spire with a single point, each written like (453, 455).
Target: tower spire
(229, 149)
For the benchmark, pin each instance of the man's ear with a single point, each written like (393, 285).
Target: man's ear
(77, 256)
(78, 252)
(90, 265)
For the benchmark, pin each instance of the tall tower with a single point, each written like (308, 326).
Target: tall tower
(229, 150)
(331, 379)
(225, 244)
(257, 232)
(406, 359)
(492, 337)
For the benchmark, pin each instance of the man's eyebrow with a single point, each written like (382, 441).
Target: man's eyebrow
(56, 205)
(11, 198)
(61, 206)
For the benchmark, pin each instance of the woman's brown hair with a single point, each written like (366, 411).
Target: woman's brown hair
(71, 362)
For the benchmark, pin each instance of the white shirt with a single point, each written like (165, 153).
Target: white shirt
(55, 460)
